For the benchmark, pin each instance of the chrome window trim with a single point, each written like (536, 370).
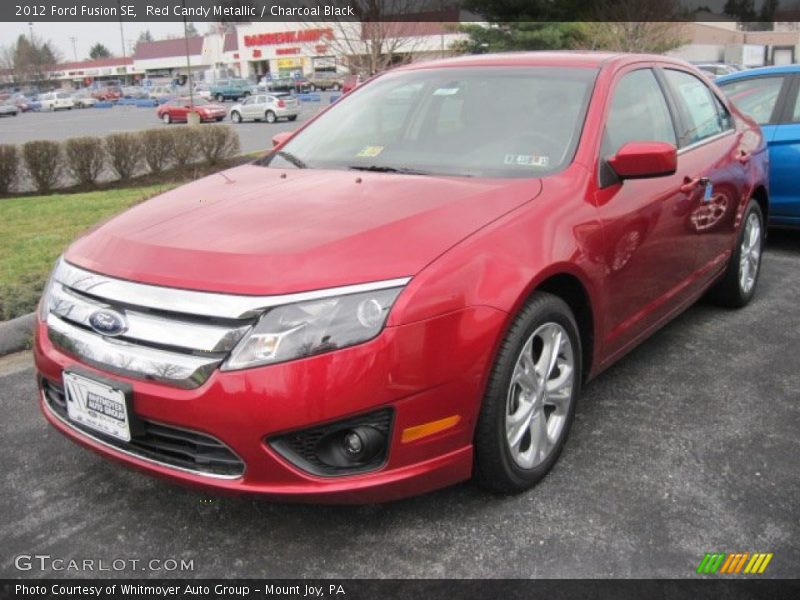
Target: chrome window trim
(146, 459)
(708, 140)
(141, 362)
(208, 304)
(205, 337)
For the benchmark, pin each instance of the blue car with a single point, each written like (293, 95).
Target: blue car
(770, 96)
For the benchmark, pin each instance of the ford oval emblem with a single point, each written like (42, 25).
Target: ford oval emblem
(107, 322)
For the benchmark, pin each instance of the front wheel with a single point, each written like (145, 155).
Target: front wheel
(530, 400)
(166, 118)
(292, 118)
(270, 117)
(738, 285)
(220, 98)
(236, 117)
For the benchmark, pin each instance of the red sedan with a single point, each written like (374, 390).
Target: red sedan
(413, 288)
(177, 110)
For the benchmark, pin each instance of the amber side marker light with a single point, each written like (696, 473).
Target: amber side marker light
(411, 434)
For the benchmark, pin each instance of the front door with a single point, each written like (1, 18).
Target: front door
(650, 255)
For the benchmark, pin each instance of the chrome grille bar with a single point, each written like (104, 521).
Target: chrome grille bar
(181, 370)
(149, 328)
(208, 304)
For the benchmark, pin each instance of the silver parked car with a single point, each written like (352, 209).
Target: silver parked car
(266, 107)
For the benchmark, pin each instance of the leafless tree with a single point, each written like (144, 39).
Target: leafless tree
(636, 26)
(381, 32)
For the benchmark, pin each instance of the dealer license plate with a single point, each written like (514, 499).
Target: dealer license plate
(97, 406)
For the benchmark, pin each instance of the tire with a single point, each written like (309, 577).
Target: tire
(526, 380)
(236, 117)
(292, 118)
(738, 285)
(220, 98)
(166, 118)
(270, 117)
(312, 88)
(219, 119)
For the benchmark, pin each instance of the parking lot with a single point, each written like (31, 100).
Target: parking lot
(688, 445)
(66, 124)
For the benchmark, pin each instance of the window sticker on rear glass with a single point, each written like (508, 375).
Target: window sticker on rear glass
(527, 160)
(370, 151)
(445, 92)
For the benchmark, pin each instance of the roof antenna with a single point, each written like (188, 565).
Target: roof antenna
(225, 177)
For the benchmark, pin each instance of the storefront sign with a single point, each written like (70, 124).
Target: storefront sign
(289, 37)
(284, 51)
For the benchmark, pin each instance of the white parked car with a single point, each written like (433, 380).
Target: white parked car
(83, 99)
(56, 101)
(266, 107)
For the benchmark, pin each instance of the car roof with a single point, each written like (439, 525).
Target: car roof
(779, 70)
(566, 58)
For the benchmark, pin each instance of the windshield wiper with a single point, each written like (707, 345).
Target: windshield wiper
(291, 158)
(383, 169)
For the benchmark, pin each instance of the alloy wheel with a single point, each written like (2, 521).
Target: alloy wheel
(750, 253)
(539, 395)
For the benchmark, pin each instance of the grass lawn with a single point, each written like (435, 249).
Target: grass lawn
(34, 230)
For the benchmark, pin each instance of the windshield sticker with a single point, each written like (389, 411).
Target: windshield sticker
(370, 151)
(445, 92)
(527, 160)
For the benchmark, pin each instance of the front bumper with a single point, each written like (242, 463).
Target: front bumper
(424, 372)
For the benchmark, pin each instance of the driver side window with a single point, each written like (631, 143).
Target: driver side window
(639, 112)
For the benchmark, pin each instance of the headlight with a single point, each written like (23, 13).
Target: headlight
(312, 327)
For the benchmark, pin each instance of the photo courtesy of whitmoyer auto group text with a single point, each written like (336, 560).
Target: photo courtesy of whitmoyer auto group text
(400, 299)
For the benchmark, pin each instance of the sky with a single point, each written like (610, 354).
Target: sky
(88, 34)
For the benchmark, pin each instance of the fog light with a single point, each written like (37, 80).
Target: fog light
(353, 446)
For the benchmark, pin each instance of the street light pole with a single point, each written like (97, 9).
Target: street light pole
(74, 48)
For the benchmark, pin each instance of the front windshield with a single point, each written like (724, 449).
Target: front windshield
(475, 121)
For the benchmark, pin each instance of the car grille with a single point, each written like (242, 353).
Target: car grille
(156, 442)
(170, 336)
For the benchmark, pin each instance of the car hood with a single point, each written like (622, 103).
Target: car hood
(258, 230)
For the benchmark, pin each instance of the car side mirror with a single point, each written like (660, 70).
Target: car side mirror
(641, 160)
(281, 138)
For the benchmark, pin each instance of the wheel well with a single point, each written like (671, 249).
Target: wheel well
(571, 290)
(760, 196)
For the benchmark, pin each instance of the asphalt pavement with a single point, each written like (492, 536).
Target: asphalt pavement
(67, 124)
(690, 444)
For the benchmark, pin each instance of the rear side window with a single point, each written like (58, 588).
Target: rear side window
(796, 112)
(701, 109)
(639, 112)
(755, 97)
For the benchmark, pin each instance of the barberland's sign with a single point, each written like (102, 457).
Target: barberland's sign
(289, 37)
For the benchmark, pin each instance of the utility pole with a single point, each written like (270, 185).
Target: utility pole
(121, 32)
(188, 60)
(30, 25)
(74, 48)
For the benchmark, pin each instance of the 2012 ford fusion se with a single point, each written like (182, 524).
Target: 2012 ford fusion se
(410, 290)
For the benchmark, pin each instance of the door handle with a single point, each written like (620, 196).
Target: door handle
(691, 184)
(744, 157)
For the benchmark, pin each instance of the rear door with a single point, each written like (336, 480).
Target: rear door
(712, 163)
(784, 152)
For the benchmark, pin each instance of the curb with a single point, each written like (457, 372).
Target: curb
(16, 334)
